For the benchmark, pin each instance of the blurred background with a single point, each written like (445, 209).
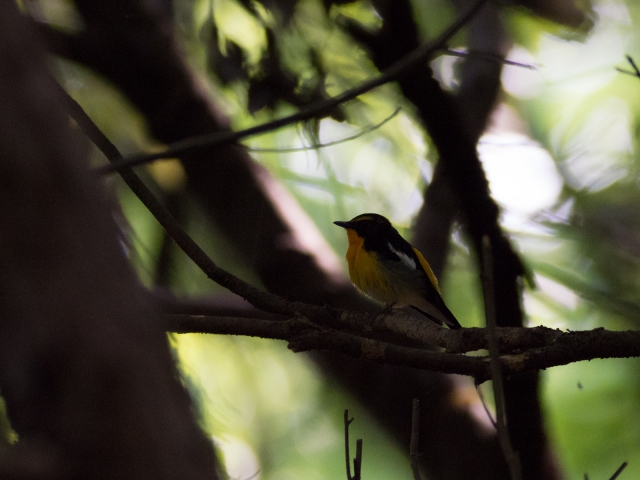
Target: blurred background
(559, 151)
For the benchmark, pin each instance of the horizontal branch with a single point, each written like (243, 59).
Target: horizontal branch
(571, 347)
(554, 348)
(303, 335)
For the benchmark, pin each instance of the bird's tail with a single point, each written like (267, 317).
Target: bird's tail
(445, 316)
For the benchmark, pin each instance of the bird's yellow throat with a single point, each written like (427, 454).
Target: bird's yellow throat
(355, 242)
(364, 270)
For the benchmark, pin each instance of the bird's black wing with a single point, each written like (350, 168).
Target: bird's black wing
(393, 247)
(431, 291)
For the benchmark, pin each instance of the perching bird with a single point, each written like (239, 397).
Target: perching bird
(384, 266)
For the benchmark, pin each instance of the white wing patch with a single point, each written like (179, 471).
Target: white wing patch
(404, 258)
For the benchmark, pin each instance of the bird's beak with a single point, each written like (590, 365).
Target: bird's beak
(343, 224)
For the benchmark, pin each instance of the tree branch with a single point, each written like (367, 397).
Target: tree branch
(418, 329)
(555, 347)
(317, 110)
(410, 327)
(259, 299)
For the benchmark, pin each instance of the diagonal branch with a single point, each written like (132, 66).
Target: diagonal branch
(315, 337)
(317, 110)
(259, 299)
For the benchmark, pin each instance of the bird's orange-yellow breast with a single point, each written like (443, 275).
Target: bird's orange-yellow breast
(365, 272)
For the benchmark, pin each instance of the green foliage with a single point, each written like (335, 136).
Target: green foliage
(582, 241)
(594, 413)
(254, 396)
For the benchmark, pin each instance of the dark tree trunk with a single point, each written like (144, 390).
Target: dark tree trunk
(85, 370)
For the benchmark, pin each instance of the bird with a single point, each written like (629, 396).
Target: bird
(386, 268)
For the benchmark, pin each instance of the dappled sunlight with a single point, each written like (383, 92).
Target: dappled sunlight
(240, 460)
(557, 292)
(522, 175)
(519, 82)
(597, 152)
(235, 25)
(306, 236)
(577, 68)
(271, 412)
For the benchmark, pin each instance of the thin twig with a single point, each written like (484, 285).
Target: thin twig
(513, 461)
(485, 406)
(317, 110)
(633, 65)
(328, 144)
(347, 422)
(636, 71)
(626, 72)
(621, 467)
(357, 462)
(490, 57)
(259, 299)
(415, 439)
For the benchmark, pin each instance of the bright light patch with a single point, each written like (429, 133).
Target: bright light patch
(444, 68)
(540, 313)
(519, 81)
(240, 460)
(557, 292)
(544, 306)
(522, 175)
(315, 193)
(305, 163)
(579, 68)
(600, 153)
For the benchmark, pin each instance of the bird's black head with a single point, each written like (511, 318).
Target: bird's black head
(368, 224)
